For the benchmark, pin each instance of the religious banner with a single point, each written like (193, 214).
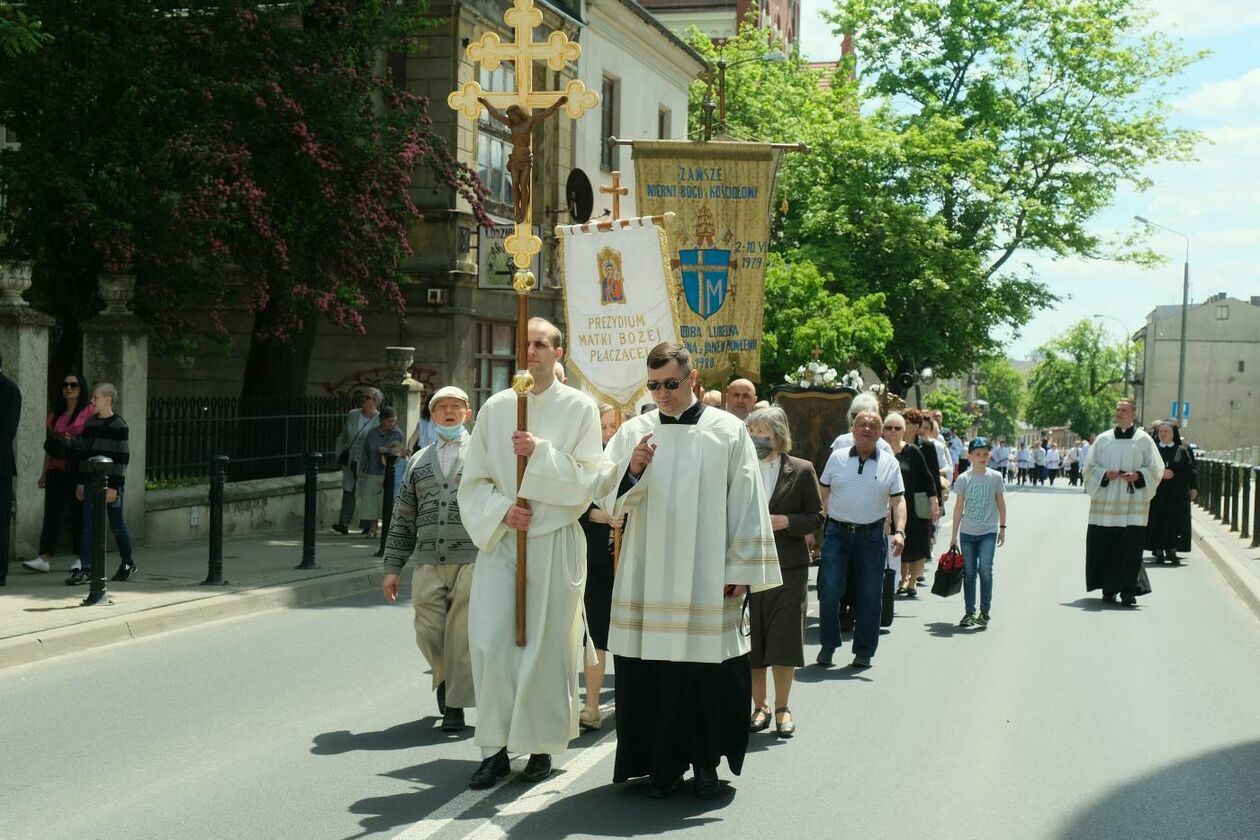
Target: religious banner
(722, 193)
(617, 304)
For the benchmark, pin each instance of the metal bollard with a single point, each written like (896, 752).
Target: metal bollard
(1255, 508)
(98, 468)
(387, 501)
(1218, 488)
(310, 510)
(1244, 475)
(1235, 482)
(214, 567)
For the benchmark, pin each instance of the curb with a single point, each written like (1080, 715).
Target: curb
(1243, 582)
(47, 644)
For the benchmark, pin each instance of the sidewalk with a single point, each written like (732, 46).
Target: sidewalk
(1233, 556)
(41, 617)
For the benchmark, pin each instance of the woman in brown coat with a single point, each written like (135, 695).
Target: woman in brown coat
(778, 615)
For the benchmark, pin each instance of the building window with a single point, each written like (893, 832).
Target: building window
(608, 125)
(495, 360)
(1222, 312)
(663, 131)
(1242, 366)
(494, 144)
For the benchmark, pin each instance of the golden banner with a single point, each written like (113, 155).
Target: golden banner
(721, 193)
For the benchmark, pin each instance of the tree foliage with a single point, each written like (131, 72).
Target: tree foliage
(19, 34)
(976, 131)
(953, 409)
(802, 314)
(1002, 386)
(228, 154)
(1077, 381)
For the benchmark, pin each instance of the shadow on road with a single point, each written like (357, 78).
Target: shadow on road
(622, 811)
(416, 733)
(1094, 604)
(1214, 795)
(948, 629)
(442, 779)
(842, 673)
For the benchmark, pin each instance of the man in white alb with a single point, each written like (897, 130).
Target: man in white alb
(527, 697)
(698, 535)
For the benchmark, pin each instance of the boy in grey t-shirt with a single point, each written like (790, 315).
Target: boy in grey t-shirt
(980, 521)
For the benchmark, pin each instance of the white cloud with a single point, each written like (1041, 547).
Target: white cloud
(1226, 98)
(1204, 17)
(818, 43)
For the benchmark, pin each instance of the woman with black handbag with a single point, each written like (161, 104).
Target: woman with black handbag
(71, 409)
(922, 496)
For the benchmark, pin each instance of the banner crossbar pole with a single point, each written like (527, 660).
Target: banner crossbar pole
(783, 147)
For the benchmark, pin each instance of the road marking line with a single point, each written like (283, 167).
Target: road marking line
(531, 800)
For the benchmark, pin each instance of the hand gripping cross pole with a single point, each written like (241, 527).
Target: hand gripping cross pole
(519, 117)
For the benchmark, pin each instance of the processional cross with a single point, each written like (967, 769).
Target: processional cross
(515, 109)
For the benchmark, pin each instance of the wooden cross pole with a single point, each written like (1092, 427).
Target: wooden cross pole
(816, 352)
(519, 117)
(617, 191)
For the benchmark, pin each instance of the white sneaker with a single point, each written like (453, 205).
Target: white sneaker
(39, 564)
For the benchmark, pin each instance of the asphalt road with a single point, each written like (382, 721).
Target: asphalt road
(1063, 719)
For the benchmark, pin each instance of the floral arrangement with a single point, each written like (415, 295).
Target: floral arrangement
(813, 374)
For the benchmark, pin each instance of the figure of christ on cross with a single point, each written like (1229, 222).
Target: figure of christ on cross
(520, 162)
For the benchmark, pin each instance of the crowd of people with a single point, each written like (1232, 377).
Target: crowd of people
(704, 619)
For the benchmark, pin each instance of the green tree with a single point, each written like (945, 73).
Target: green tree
(802, 314)
(1077, 381)
(227, 154)
(949, 401)
(1002, 386)
(19, 34)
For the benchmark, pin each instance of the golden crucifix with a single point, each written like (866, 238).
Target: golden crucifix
(515, 109)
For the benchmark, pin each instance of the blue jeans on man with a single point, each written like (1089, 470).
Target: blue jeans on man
(114, 513)
(863, 554)
(977, 551)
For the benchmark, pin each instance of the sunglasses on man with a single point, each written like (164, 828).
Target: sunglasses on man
(670, 384)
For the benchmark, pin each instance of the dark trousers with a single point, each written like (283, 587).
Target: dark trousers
(114, 514)
(6, 518)
(864, 551)
(59, 500)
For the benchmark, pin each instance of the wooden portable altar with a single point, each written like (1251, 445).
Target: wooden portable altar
(816, 416)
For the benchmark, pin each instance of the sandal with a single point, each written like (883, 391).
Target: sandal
(784, 728)
(760, 720)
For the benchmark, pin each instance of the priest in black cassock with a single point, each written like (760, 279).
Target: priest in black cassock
(698, 538)
(1122, 470)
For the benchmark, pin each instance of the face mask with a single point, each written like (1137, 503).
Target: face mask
(451, 432)
(762, 444)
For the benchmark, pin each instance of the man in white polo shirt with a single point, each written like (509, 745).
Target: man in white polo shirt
(859, 486)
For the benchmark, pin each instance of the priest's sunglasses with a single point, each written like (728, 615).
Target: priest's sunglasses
(670, 384)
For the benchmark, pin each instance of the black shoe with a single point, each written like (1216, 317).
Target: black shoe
(1174, 559)
(658, 789)
(453, 719)
(825, 657)
(707, 782)
(491, 770)
(537, 768)
(78, 577)
(441, 697)
(341, 529)
(861, 662)
(125, 571)
(1128, 600)
(921, 579)
(1109, 597)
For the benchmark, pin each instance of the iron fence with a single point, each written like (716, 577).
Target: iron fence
(265, 437)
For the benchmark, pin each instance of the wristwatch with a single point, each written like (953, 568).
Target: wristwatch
(902, 533)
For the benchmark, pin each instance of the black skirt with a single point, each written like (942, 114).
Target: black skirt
(675, 715)
(777, 617)
(598, 601)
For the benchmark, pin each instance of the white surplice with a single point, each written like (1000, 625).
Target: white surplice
(1114, 506)
(527, 697)
(698, 520)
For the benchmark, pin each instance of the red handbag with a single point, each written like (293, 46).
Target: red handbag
(951, 559)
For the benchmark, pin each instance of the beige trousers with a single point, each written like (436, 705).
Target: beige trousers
(439, 595)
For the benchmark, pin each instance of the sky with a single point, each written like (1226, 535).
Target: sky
(1215, 200)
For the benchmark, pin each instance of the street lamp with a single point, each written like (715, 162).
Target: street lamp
(1185, 307)
(770, 57)
(1128, 348)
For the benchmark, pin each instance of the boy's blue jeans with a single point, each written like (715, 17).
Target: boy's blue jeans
(977, 551)
(117, 524)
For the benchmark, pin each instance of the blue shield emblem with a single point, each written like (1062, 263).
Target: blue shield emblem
(705, 274)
